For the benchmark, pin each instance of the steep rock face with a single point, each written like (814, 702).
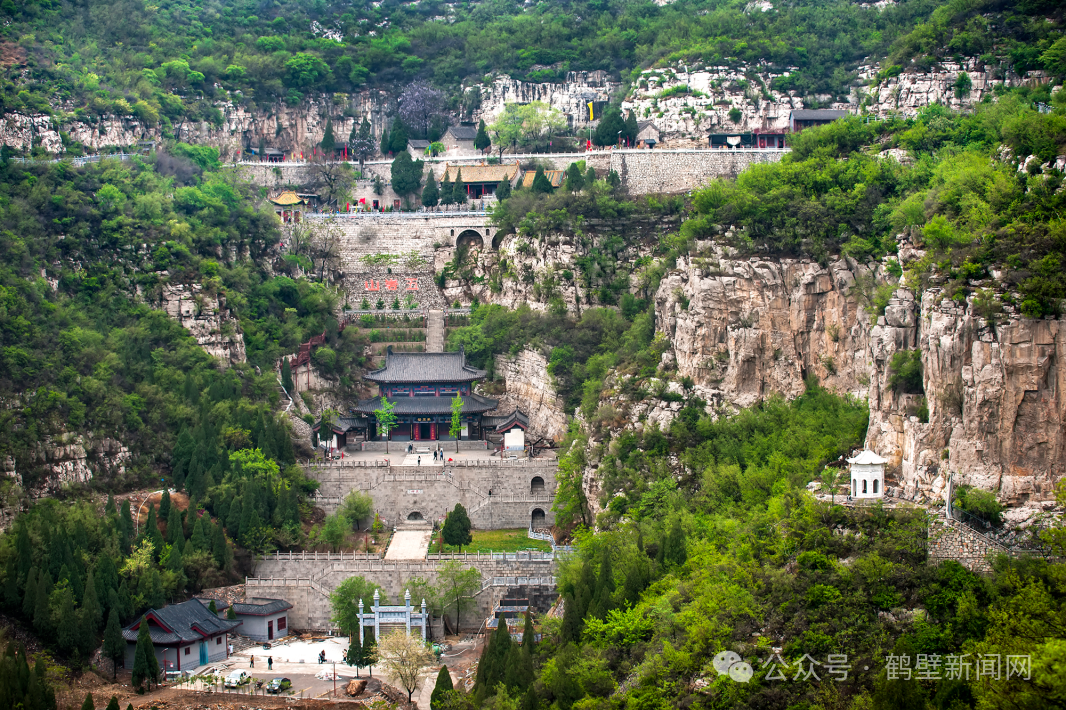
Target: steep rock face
(996, 411)
(744, 329)
(73, 458)
(530, 387)
(207, 319)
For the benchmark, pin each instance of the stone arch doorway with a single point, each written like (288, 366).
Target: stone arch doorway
(536, 520)
(415, 516)
(470, 238)
(536, 485)
(497, 239)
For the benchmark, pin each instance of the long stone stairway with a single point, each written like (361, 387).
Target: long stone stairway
(435, 336)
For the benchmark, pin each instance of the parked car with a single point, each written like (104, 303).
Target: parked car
(278, 684)
(237, 678)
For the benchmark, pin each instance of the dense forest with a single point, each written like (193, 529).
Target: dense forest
(176, 61)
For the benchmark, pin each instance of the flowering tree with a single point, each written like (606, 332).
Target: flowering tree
(420, 103)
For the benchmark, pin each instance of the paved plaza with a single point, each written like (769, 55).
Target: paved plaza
(409, 545)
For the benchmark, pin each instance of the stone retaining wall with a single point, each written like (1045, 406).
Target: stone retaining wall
(950, 540)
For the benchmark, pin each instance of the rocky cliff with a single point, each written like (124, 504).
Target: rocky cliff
(207, 319)
(529, 387)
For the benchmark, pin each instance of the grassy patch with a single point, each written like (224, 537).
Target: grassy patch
(495, 541)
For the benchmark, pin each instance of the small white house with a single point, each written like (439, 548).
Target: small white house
(867, 475)
(263, 619)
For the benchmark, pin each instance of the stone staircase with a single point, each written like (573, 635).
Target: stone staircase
(435, 335)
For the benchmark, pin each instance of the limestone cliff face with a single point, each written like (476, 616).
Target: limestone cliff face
(207, 319)
(744, 329)
(530, 387)
(74, 458)
(996, 411)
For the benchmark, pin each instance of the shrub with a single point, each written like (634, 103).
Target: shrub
(905, 372)
(979, 502)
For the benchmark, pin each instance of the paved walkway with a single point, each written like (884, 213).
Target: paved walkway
(435, 334)
(409, 545)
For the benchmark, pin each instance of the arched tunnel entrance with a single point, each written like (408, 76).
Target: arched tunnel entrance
(470, 238)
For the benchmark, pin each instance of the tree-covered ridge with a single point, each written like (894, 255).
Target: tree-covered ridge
(83, 350)
(722, 549)
(171, 61)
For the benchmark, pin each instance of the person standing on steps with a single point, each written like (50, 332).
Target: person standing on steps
(251, 662)
(270, 663)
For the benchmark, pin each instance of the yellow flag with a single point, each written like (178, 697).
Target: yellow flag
(590, 111)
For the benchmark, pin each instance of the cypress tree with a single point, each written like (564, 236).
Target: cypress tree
(127, 526)
(29, 597)
(355, 652)
(230, 613)
(67, 627)
(90, 604)
(492, 668)
(47, 695)
(673, 550)
(113, 705)
(444, 683)
(145, 667)
(198, 540)
(590, 176)
(174, 527)
(164, 505)
(481, 140)
(503, 190)
(630, 131)
(397, 136)
(519, 672)
(430, 193)
(456, 528)
(574, 179)
(571, 628)
(175, 563)
(541, 183)
(87, 704)
(155, 598)
(24, 550)
(125, 601)
(233, 519)
(528, 633)
(286, 375)
(385, 142)
(220, 549)
(329, 143)
(11, 584)
(106, 578)
(614, 179)
(42, 611)
(114, 647)
(529, 700)
(446, 192)
(109, 507)
(459, 188)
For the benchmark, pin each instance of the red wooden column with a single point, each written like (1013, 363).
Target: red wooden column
(433, 431)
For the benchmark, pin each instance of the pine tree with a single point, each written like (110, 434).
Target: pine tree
(446, 191)
(220, 549)
(572, 623)
(355, 651)
(109, 507)
(230, 613)
(541, 183)
(42, 612)
(11, 584)
(145, 666)
(503, 190)
(24, 550)
(174, 527)
(459, 188)
(456, 528)
(385, 143)
(528, 635)
(176, 561)
(164, 505)
(66, 620)
(29, 596)
(574, 179)
(233, 519)
(125, 601)
(87, 704)
(492, 668)
(430, 193)
(673, 551)
(90, 604)
(529, 700)
(397, 136)
(106, 578)
(630, 131)
(114, 644)
(481, 140)
(127, 526)
(329, 143)
(113, 704)
(286, 375)
(590, 176)
(614, 179)
(444, 680)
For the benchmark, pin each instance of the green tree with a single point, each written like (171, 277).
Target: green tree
(492, 667)
(430, 193)
(457, 419)
(145, 666)
(459, 195)
(446, 192)
(831, 480)
(386, 144)
(574, 179)
(458, 587)
(631, 128)
(354, 657)
(305, 70)
(329, 143)
(90, 605)
(113, 703)
(175, 529)
(503, 190)
(611, 126)
(361, 144)
(507, 128)
(356, 506)
(541, 183)
(590, 176)
(674, 548)
(386, 419)
(344, 601)
(398, 137)
(481, 140)
(29, 595)
(164, 504)
(443, 684)
(570, 505)
(456, 528)
(406, 174)
(42, 612)
(87, 704)
(286, 375)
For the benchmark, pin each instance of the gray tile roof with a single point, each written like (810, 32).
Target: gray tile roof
(261, 607)
(472, 404)
(425, 367)
(818, 114)
(181, 623)
(462, 133)
(416, 143)
(507, 422)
